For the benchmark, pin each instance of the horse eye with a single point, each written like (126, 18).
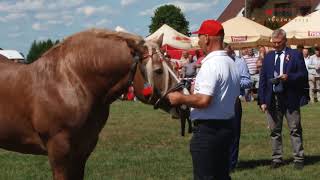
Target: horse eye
(158, 71)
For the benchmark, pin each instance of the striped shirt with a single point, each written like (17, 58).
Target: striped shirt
(252, 63)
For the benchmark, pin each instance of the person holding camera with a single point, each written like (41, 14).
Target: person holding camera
(282, 87)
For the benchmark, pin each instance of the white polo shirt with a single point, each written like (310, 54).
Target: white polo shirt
(218, 77)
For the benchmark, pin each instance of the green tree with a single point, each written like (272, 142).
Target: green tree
(170, 15)
(38, 48)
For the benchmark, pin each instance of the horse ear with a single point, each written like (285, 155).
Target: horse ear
(160, 40)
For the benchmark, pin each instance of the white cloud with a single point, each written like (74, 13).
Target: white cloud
(127, 2)
(103, 22)
(39, 27)
(90, 10)
(147, 12)
(54, 18)
(12, 16)
(58, 4)
(55, 22)
(192, 6)
(46, 15)
(215, 2)
(120, 29)
(22, 6)
(36, 5)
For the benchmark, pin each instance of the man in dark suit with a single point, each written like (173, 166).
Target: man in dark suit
(283, 80)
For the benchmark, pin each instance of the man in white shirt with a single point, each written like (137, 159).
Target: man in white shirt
(217, 86)
(311, 73)
(314, 66)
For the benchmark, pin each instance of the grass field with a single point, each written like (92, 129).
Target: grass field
(140, 143)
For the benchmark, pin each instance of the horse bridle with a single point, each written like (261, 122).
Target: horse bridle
(183, 109)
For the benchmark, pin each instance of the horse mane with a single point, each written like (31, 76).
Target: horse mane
(134, 42)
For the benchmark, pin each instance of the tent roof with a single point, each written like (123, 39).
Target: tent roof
(11, 54)
(307, 27)
(171, 37)
(244, 32)
(241, 26)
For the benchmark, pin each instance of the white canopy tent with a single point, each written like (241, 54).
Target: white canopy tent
(304, 30)
(243, 32)
(171, 37)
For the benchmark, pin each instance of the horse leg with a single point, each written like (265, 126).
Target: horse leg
(59, 155)
(77, 165)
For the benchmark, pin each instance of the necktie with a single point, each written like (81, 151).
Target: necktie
(277, 66)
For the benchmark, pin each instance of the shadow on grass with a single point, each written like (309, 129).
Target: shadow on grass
(251, 164)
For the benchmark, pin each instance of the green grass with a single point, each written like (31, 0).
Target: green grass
(140, 143)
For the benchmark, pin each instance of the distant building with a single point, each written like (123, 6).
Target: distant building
(270, 13)
(12, 55)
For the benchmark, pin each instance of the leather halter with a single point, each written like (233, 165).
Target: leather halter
(183, 110)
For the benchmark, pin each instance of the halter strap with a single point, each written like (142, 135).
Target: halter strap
(133, 69)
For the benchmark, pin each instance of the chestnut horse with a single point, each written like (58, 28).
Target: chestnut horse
(58, 105)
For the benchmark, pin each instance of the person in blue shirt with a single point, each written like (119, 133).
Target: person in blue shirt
(245, 83)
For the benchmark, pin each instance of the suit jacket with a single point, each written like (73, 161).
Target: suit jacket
(295, 89)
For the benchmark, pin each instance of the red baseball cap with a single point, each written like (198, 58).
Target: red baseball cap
(210, 27)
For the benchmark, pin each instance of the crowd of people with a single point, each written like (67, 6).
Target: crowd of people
(189, 65)
(313, 65)
(278, 78)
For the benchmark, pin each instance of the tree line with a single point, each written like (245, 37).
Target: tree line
(38, 48)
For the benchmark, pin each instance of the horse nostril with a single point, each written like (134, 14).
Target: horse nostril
(158, 71)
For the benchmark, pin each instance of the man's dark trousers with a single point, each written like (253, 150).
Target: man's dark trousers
(236, 125)
(210, 147)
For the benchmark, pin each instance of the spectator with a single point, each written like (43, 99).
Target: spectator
(283, 80)
(262, 53)
(315, 66)
(183, 60)
(216, 89)
(251, 60)
(243, 52)
(189, 69)
(311, 73)
(245, 83)
(199, 59)
(197, 55)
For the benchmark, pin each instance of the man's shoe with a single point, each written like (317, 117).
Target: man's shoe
(298, 165)
(275, 164)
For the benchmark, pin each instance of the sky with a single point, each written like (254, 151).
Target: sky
(23, 21)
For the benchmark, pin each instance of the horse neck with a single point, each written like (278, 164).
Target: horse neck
(97, 76)
(107, 80)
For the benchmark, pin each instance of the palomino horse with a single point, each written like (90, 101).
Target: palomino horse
(58, 105)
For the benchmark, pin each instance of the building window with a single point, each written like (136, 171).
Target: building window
(283, 10)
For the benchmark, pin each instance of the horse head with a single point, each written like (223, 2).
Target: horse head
(157, 76)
